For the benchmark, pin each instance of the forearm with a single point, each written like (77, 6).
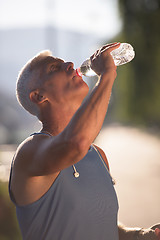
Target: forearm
(72, 144)
(89, 118)
(126, 233)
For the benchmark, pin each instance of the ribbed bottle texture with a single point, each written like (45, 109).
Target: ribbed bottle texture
(124, 54)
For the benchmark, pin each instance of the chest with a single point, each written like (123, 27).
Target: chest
(92, 193)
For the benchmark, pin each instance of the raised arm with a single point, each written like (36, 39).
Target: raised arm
(52, 154)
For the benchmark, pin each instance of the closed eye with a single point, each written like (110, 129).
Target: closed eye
(52, 67)
(55, 67)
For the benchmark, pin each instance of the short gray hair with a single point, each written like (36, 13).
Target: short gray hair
(24, 84)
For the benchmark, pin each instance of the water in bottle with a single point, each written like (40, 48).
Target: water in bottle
(124, 54)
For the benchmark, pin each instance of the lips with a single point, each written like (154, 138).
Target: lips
(78, 72)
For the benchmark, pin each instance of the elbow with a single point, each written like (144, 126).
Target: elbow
(80, 146)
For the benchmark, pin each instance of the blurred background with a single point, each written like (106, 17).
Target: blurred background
(130, 137)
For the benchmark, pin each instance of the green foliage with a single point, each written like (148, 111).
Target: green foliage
(137, 90)
(8, 223)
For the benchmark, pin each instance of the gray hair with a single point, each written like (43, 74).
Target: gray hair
(25, 82)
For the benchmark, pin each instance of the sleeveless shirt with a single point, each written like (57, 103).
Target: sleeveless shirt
(83, 208)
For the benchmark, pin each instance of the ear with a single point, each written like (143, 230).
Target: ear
(36, 97)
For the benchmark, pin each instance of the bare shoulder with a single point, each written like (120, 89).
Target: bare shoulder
(42, 155)
(25, 186)
(103, 155)
(27, 150)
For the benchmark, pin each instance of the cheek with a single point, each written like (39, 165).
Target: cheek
(67, 87)
(55, 93)
(59, 92)
(54, 85)
(61, 87)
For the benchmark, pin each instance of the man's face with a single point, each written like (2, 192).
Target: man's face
(61, 83)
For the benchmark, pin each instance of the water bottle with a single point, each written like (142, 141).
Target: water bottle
(124, 54)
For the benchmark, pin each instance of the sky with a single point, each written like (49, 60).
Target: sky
(92, 16)
(96, 21)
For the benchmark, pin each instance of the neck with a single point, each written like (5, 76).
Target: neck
(55, 120)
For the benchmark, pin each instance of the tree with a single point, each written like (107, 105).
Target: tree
(137, 93)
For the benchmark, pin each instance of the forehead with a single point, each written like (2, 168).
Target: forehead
(42, 63)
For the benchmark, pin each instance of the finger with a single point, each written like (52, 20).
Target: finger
(111, 48)
(93, 56)
(155, 226)
(96, 53)
(108, 45)
(157, 232)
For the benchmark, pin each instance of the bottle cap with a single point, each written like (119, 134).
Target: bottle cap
(78, 72)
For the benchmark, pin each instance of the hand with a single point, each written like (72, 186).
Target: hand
(102, 61)
(157, 230)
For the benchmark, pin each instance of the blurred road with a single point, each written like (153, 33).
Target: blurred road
(134, 158)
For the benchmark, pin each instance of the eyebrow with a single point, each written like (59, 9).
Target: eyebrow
(52, 60)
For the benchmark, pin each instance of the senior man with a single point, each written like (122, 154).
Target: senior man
(60, 181)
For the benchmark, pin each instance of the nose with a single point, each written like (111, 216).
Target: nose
(69, 66)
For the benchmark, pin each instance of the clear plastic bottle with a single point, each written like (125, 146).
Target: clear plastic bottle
(124, 54)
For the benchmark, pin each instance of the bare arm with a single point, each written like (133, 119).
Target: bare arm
(71, 145)
(87, 122)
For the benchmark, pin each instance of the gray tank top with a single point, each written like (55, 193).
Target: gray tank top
(83, 208)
